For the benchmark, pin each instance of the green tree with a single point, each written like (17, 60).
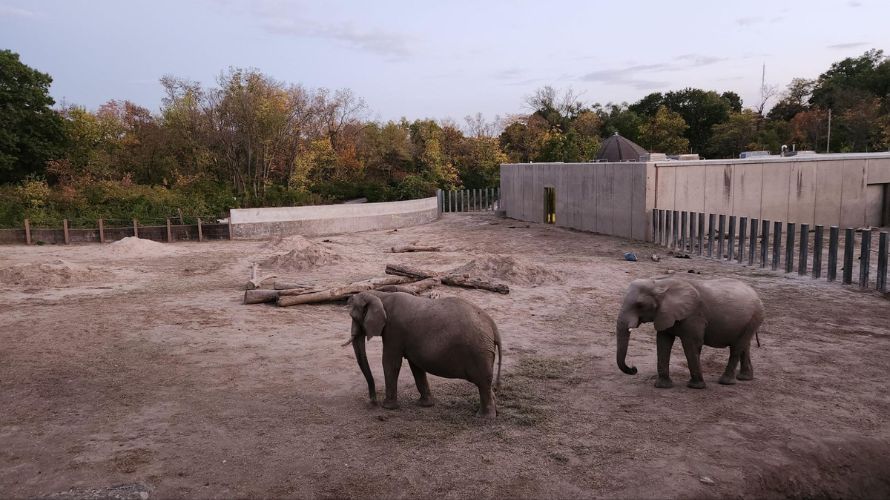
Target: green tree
(739, 133)
(794, 100)
(664, 132)
(31, 132)
(701, 110)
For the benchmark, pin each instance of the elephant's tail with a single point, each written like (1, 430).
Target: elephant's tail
(757, 337)
(497, 381)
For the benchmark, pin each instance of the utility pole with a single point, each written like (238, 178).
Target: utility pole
(828, 141)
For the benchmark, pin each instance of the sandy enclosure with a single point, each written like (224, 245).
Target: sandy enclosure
(134, 370)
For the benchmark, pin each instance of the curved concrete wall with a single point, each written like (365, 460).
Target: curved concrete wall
(318, 220)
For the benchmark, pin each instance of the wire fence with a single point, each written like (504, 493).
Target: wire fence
(168, 229)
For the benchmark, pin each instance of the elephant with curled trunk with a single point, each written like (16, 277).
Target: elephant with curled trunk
(447, 337)
(716, 313)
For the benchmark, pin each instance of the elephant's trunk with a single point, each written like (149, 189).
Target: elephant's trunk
(623, 335)
(358, 345)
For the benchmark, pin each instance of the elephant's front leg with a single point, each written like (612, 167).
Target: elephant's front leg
(664, 341)
(423, 385)
(392, 364)
(692, 347)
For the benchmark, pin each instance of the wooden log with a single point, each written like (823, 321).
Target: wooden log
(259, 296)
(411, 248)
(464, 281)
(411, 272)
(342, 292)
(287, 285)
(412, 288)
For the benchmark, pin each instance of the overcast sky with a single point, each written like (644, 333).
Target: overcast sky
(444, 59)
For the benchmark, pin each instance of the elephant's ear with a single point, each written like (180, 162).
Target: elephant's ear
(677, 300)
(375, 315)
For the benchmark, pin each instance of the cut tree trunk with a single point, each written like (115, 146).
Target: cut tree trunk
(468, 282)
(342, 292)
(412, 288)
(285, 285)
(412, 248)
(411, 272)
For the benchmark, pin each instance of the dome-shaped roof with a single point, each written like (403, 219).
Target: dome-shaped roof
(617, 148)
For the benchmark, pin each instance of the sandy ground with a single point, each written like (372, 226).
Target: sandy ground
(134, 372)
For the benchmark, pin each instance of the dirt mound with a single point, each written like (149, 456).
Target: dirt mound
(131, 246)
(506, 268)
(55, 273)
(303, 254)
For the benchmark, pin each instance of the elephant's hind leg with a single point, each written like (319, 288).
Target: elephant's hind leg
(728, 377)
(423, 385)
(747, 371)
(488, 407)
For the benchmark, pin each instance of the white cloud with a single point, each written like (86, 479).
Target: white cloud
(9, 11)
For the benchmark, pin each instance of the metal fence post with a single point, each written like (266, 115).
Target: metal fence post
(675, 228)
(817, 251)
(849, 237)
(865, 258)
(701, 232)
(721, 228)
(752, 243)
(764, 243)
(683, 230)
(777, 244)
(731, 243)
(743, 230)
(804, 248)
(833, 237)
(711, 220)
(789, 247)
(881, 279)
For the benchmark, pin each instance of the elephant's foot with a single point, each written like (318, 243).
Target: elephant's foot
(390, 404)
(664, 383)
(696, 384)
(746, 375)
(727, 380)
(426, 401)
(489, 414)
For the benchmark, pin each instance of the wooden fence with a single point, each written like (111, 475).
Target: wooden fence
(469, 200)
(747, 241)
(105, 230)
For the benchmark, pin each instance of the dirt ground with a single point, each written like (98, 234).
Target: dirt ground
(137, 372)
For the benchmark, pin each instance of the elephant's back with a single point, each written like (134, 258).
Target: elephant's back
(727, 296)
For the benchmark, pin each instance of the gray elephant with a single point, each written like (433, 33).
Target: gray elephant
(447, 337)
(716, 313)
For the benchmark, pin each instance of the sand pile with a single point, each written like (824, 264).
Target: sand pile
(506, 268)
(132, 246)
(55, 273)
(303, 254)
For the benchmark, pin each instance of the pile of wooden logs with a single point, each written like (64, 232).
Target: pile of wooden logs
(398, 278)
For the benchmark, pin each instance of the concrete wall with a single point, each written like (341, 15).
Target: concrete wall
(317, 220)
(607, 198)
(838, 189)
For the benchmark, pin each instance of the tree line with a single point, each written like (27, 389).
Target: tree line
(250, 140)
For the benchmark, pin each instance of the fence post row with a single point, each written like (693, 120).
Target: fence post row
(680, 229)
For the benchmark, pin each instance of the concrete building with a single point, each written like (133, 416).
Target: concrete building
(847, 190)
